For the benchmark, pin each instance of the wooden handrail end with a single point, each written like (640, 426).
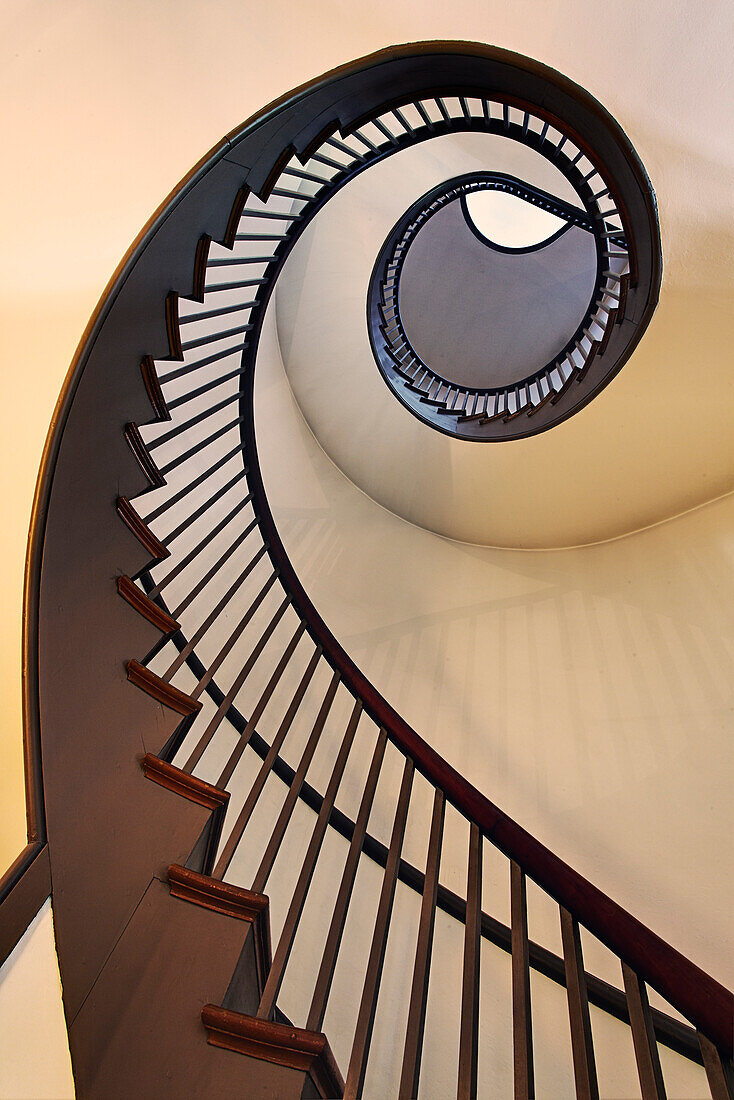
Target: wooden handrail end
(277, 1043)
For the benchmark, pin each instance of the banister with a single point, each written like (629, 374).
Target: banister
(700, 998)
(257, 153)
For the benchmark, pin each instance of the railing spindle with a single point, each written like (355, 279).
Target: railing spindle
(317, 1010)
(720, 1074)
(234, 637)
(213, 614)
(643, 1037)
(410, 1073)
(195, 551)
(290, 926)
(584, 1065)
(469, 1034)
(371, 988)
(237, 751)
(522, 1027)
(266, 864)
(250, 802)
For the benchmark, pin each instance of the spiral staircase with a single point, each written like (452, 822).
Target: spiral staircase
(181, 684)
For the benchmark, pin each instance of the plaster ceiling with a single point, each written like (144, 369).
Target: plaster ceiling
(656, 442)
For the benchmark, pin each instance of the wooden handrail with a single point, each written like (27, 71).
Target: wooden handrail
(700, 998)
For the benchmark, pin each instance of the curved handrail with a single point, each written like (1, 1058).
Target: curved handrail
(699, 997)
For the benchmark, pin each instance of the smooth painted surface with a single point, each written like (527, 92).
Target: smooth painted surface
(654, 443)
(587, 692)
(481, 317)
(94, 150)
(34, 1050)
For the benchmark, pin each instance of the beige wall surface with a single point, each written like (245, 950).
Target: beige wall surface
(587, 692)
(107, 105)
(34, 1049)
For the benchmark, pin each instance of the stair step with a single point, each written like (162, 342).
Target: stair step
(180, 782)
(165, 693)
(232, 901)
(140, 529)
(212, 893)
(279, 1043)
(145, 606)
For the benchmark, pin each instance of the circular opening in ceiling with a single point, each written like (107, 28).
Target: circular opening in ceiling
(505, 298)
(479, 311)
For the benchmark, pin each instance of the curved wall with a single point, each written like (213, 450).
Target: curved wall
(588, 692)
(656, 442)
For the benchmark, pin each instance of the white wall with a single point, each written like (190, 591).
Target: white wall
(103, 116)
(587, 692)
(108, 105)
(637, 454)
(34, 1050)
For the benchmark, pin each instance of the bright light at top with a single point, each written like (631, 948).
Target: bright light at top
(511, 222)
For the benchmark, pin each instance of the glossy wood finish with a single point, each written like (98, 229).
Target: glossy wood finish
(222, 897)
(643, 1035)
(584, 1065)
(522, 1027)
(145, 606)
(469, 1034)
(189, 786)
(273, 1042)
(410, 1073)
(167, 694)
(142, 455)
(140, 529)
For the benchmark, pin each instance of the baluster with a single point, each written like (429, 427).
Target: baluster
(209, 503)
(193, 553)
(469, 1035)
(341, 905)
(266, 864)
(290, 926)
(191, 485)
(250, 802)
(197, 448)
(643, 1037)
(720, 1074)
(371, 988)
(234, 637)
(241, 677)
(221, 560)
(215, 612)
(522, 1026)
(584, 1066)
(421, 971)
(259, 707)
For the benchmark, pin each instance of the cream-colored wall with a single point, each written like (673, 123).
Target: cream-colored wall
(34, 1050)
(107, 105)
(587, 692)
(636, 455)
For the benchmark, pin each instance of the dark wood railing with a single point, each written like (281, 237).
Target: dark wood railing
(645, 958)
(211, 513)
